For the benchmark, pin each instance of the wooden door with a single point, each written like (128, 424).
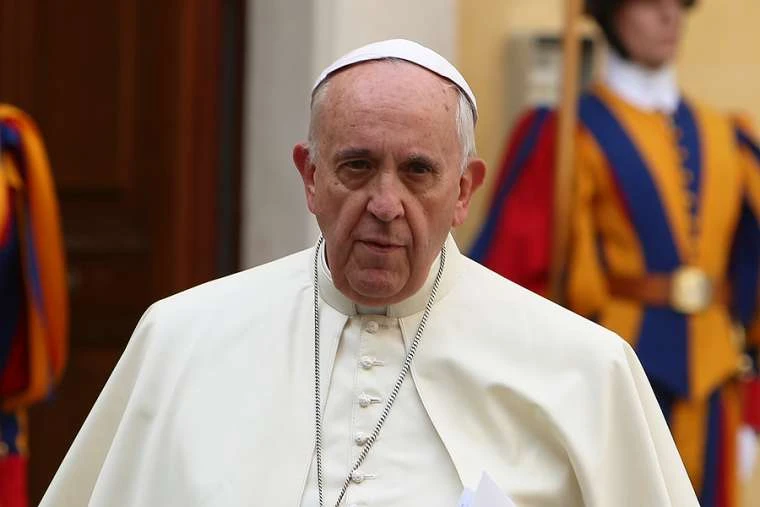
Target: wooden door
(138, 102)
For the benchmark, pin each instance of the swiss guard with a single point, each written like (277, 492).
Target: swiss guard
(664, 243)
(33, 294)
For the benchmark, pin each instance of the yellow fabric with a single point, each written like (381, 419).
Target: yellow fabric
(732, 421)
(599, 218)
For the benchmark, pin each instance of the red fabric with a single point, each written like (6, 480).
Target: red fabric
(751, 393)
(13, 482)
(15, 376)
(514, 142)
(521, 249)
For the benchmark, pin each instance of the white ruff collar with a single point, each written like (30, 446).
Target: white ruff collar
(652, 90)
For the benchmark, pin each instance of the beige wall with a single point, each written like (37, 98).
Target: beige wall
(719, 64)
(720, 57)
(353, 23)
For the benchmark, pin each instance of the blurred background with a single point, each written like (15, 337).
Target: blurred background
(169, 126)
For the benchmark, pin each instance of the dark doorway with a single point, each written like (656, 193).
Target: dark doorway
(139, 105)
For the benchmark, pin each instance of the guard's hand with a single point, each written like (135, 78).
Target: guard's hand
(747, 442)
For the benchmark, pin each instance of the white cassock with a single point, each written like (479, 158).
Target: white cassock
(212, 403)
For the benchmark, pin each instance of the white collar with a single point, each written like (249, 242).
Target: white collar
(653, 90)
(413, 304)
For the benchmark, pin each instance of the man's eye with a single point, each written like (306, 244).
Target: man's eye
(419, 169)
(357, 165)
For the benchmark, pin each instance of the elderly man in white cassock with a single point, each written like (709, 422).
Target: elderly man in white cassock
(380, 367)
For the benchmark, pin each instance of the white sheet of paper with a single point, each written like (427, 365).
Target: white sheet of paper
(466, 499)
(488, 494)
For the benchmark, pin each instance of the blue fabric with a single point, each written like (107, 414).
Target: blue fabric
(745, 266)
(9, 431)
(11, 284)
(745, 251)
(662, 345)
(665, 399)
(9, 137)
(32, 265)
(709, 494)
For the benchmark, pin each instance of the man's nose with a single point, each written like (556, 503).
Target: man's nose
(385, 197)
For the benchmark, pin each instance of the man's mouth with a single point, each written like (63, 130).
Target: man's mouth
(380, 246)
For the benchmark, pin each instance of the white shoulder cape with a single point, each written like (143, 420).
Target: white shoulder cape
(212, 401)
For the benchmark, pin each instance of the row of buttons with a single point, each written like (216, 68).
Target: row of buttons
(690, 199)
(366, 400)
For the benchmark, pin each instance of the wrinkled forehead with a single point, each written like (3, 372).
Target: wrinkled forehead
(394, 104)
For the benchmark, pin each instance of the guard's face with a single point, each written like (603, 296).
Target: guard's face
(650, 30)
(386, 188)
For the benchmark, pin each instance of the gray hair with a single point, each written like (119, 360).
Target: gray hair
(465, 121)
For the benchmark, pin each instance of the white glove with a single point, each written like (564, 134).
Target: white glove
(747, 442)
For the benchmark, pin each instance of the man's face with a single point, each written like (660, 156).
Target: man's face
(386, 187)
(650, 30)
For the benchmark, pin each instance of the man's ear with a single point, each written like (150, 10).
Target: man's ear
(303, 162)
(471, 179)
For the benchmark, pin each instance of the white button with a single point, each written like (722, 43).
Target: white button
(372, 327)
(357, 477)
(365, 400)
(361, 438)
(367, 362)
